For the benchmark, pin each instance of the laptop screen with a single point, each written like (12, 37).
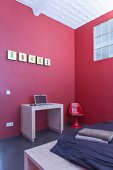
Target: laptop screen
(40, 99)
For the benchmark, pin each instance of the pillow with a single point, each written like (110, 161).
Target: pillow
(97, 133)
(87, 138)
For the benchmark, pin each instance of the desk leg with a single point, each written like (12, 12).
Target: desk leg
(28, 123)
(55, 119)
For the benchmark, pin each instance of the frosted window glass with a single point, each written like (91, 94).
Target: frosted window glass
(105, 27)
(97, 31)
(105, 52)
(97, 42)
(105, 40)
(111, 38)
(111, 25)
(111, 51)
(98, 54)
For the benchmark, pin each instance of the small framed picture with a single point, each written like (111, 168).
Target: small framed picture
(47, 62)
(40, 60)
(22, 57)
(32, 59)
(11, 55)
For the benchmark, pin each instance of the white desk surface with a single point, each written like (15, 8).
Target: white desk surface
(43, 107)
(46, 160)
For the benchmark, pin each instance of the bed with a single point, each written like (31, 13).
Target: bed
(87, 154)
(40, 158)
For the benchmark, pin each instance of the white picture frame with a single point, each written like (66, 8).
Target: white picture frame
(47, 62)
(32, 59)
(11, 55)
(22, 57)
(40, 60)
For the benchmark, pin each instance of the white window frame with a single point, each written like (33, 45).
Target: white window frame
(109, 45)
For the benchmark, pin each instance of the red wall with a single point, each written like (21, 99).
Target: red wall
(21, 31)
(94, 80)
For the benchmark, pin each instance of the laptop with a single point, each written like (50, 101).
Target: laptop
(41, 100)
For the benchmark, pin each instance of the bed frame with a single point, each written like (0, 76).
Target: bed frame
(40, 158)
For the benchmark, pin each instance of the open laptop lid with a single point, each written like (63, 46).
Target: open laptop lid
(40, 99)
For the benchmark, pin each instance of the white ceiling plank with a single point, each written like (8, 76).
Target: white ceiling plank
(28, 3)
(73, 13)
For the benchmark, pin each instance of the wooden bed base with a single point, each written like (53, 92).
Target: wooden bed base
(40, 158)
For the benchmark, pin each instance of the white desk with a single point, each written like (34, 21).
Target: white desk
(55, 118)
(40, 158)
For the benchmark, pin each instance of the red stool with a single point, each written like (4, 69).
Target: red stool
(75, 110)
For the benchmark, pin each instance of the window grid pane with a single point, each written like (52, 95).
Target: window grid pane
(97, 42)
(105, 52)
(111, 51)
(105, 27)
(111, 38)
(111, 25)
(105, 40)
(98, 54)
(97, 30)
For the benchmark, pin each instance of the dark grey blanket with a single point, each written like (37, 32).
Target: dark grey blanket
(91, 155)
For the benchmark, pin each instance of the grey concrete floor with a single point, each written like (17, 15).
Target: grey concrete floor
(12, 149)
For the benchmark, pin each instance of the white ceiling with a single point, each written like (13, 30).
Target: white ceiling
(73, 13)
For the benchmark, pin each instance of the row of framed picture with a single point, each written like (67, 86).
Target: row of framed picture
(13, 55)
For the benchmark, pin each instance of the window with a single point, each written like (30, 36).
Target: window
(103, 40)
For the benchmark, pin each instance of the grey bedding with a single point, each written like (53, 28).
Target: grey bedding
(97, 133)
(91, 155)
(88, 138)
